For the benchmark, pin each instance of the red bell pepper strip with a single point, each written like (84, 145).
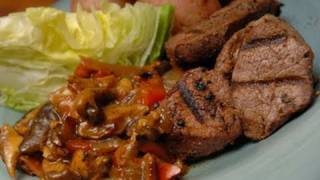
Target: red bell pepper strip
(155, 149)
(151, 91)
(168, 171)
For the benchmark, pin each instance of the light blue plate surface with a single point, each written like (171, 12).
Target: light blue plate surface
(292, 153)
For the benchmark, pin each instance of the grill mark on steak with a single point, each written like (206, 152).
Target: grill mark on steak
(190, 101)
(277, 39)
(194, 88)
(266, 81)
(198, 110)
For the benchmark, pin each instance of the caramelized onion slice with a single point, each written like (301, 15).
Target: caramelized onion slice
(80, 84)
(149, 169)
(10, 141)
(34, 141)
(107, 146)
(79, 164)
(31, 165)
(99, 147)
(90, 131)
(23, 126)
(122, 115)
(58, 171)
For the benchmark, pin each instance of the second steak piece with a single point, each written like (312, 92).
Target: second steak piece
(203, 120)
(270, 67)
(200, 44)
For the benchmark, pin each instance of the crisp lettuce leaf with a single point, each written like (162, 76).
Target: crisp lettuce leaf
(163, 32)
(41, 47)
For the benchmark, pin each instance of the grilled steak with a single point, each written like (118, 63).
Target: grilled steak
(270, 67)
(201, 43)
(262, 77)
(203, 122)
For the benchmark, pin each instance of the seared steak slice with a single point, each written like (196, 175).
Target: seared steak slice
(267, 106)
(193, 88)
(202, 43)
(270, 67)
(202, 123)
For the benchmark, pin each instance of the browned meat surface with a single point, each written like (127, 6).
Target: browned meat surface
(201, 43)
(203, 122)
(270, 67)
